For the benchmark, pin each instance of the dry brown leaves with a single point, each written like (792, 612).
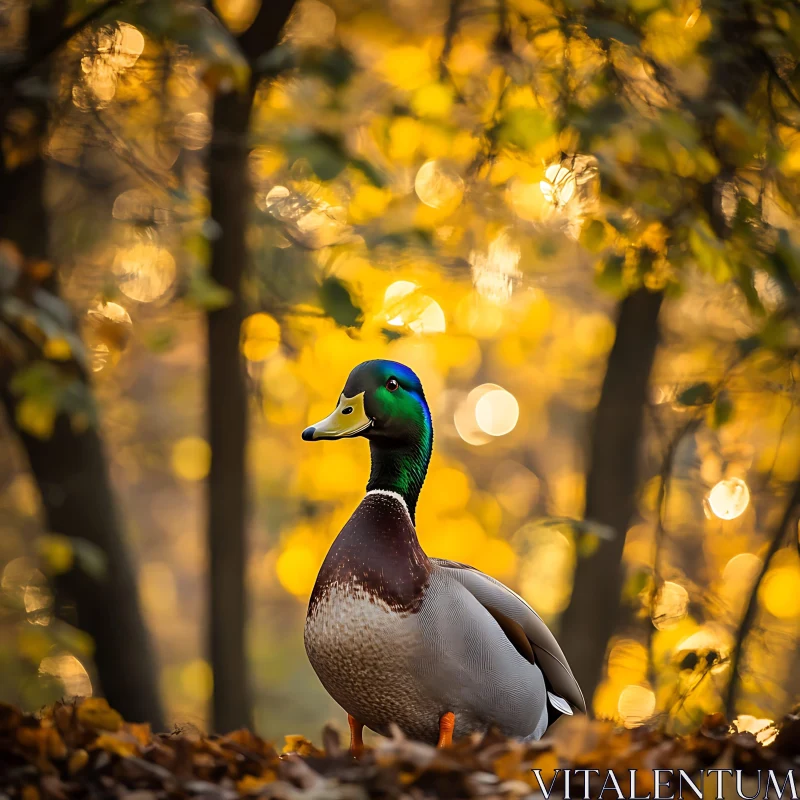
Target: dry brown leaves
(85, 749)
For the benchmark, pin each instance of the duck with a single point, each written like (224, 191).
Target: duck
(398, 638)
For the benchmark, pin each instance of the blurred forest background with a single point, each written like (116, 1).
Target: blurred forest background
(577, 221)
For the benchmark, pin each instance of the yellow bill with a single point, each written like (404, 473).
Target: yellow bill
(348, 419)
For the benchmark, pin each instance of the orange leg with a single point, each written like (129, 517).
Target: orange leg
(356, 742)
(446, 725)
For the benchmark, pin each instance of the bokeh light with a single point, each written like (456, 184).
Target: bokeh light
(559, 186)
(742, 569)
(406, 306)
(497, 412)
(70, 672)
(779, 592)
(671, 605)
(729, 498)
(261, 337)
(547, 590)
(109, 328)
(636, 705)
(191, 458)
(145, 272)
(763, 729)
(464, 418)
(494, 272)
(297, 568)
(439, 185)
(238, 15)
(194, 130)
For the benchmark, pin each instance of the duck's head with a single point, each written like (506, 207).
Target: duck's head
(383, 401)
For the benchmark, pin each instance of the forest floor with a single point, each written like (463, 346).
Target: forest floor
(86, 750)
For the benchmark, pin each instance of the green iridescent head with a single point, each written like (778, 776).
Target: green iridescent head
(383, 401)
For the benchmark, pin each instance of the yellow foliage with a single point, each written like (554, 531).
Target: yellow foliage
(448, 489)
(594, 335)
(434, 101)
(197, 680)
(57, 553)
(94, 712)
(118, 744)
(261, 336)
(299, 561)
(57, 349)
(627, 662)
(37, 416)
(405, 136)
(33, 643)
(407, 67)
(237, 15)
(368, 202)
(779, 592)
(191, 458)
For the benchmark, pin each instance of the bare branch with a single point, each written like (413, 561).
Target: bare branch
(450, 29)
(787, 525)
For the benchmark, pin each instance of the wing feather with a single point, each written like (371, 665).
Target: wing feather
(501, 600)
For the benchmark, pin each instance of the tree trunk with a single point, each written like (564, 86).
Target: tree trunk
(70, 467)
(227, 417)
(611, 486)
(71, 474)
(231, 198)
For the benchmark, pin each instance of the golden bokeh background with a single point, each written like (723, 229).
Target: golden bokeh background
(490, 297)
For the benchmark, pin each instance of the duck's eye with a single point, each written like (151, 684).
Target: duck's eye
(392, 385)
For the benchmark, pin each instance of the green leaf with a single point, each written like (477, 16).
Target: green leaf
(56, 552)
(709, 252)
(90, 558)
(280, 59)
(160, 340)
(407, 239)
(369, 171)
(525, 128)
(775, 333)
(61, 553)
(324, 151)
(391, 334)
(39, 379)
(338, 304)
(609, 277)
(335, 65)
(72, 639)
(748, 345)
(593, 236)
(609, 29)
(205, 293)
(597, 120)
(579, 527)
(587, 545)
(722, 410)
(700, 394)
(636, 583)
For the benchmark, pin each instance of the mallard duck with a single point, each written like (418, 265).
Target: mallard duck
(397, 637)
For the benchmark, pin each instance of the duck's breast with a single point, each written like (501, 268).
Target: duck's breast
(364, 652)
(362, 630)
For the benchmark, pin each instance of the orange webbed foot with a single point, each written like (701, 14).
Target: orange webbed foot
(446, 726)
(356, 740)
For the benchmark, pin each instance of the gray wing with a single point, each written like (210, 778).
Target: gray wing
(493, 595)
